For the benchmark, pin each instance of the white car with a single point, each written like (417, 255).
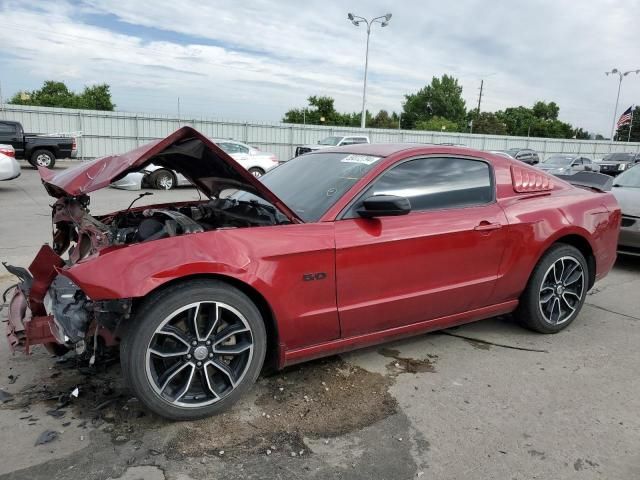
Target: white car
(333, 141)
(154, 176)
(9, 166)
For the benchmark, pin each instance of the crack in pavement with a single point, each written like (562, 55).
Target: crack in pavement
(487, 342)
(612, 311)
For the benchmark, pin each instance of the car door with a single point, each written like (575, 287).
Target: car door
(439, 260)
(11, 134)
(577, 166)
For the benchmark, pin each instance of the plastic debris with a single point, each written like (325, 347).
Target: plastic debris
(46, 437)
(75, 392)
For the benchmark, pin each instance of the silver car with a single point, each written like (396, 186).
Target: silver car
(626, 188)
(567, 164)
(254, 160)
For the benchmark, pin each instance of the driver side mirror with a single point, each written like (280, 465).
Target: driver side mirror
(384, 206)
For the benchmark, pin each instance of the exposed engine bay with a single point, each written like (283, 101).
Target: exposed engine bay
(81, 234)
(78, 321)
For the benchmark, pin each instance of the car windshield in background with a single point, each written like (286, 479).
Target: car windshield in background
(512, 151)
(559, 160)
(619, 157)
(630, 178)
(311, 184)
(330, 141)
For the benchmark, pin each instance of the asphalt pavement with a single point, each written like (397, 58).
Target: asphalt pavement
(485, 401)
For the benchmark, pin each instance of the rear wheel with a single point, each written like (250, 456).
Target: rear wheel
(194, 349)
(163, 180)
(556, 290)
(256, 172)
(43, 158)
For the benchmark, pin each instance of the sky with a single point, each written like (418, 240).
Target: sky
(254, 60)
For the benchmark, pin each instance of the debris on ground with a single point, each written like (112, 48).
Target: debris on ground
(5, 396)
(408, 365)
(46, 437)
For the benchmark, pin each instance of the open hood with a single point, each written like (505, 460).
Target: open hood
(186, 151)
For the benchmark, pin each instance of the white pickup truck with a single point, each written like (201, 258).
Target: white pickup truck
(333, 141)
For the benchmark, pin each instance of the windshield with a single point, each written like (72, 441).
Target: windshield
(618, 157)
(559, 160)
(630, 178)
(311, 184)
(512, 151)
(333, 141)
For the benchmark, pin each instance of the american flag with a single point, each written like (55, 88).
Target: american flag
(625, 118)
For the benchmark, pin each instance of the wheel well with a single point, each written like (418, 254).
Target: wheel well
(271, 359)
(50, 150)
(583, 245)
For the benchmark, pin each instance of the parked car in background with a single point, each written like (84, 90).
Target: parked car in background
(525, 155)
(333, 141)
(7, 150)
(38, 150)
(9, 166)
(567, 164)
(626, 188)
(331, 251)
(616, 163)
(501, 153)
(254, 160)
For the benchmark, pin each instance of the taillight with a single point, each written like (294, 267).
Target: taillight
(9, 152)
(74, 145)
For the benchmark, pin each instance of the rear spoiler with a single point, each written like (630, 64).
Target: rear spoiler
(597, 181)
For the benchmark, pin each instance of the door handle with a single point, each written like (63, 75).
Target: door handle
(485, 226)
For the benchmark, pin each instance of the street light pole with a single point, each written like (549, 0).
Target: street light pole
(383, 21)
(615, 110)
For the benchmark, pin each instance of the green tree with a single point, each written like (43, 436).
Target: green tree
(546, 111)
(488, 123)
(622, 134)
(96, 97)
(441, 98)
(57, 94)
(437, 124)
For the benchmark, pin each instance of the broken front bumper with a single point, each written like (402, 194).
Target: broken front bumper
(28, 322)
(23, 328)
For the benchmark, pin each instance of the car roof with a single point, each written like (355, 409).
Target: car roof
(386, 149)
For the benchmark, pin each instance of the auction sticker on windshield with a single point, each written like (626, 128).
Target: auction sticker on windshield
(364, 159)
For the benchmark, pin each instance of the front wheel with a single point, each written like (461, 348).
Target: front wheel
(256, 172)
(194, 349)
(43, 158)
(556, 290)
(163, 180)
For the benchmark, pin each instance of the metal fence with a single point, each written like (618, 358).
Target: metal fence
(106, 133)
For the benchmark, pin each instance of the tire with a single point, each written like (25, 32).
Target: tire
(169, 365)
(556, 290)
(42, 158)
(163, 180)
(256, 172)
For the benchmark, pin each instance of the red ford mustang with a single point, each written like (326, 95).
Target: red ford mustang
(331, 251)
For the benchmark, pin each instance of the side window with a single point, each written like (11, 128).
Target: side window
(347, 141)
(241, 148)
(586, 161)
(435, 183)
(7, 128)
(359, 140)
(576, 162)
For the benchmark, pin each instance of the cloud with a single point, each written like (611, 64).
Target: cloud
(255, 61)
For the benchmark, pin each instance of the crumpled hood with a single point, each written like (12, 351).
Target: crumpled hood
(629, 200)
(186, 151)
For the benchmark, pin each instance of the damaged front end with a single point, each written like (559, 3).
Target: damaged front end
(51, 304)
(47, 308)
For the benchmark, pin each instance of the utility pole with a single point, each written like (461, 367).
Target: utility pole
(179, 121)
(480, 97)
